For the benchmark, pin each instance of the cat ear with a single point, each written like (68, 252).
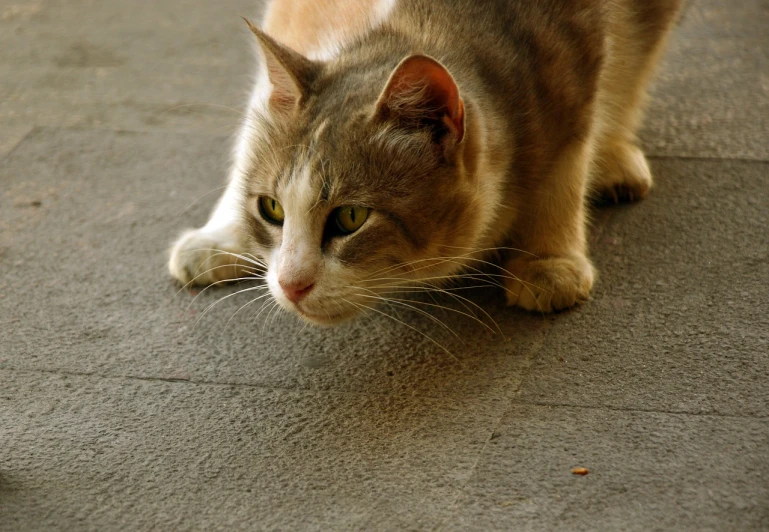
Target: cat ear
(422, 93)
(290, 73)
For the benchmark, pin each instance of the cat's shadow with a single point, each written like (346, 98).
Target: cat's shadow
(433, 345)
(458, 359)
(400, 401)
(374, 399)
(418, 371)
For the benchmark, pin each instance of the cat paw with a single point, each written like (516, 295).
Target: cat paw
(202, 258)
(623, 174)
(549, 284)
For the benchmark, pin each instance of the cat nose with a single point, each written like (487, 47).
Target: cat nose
(296, 291)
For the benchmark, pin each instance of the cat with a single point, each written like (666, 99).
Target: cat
(391, 144)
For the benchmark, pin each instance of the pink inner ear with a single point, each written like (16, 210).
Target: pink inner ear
(423, 84)
(289, 72)
(284, 94)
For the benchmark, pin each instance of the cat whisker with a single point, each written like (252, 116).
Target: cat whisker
(189, 284)
(407, 289)
(406, 283)
(493, 249)
(475, 276)
(201, 104)
(249, 269)
(262, 309)
(274, 311)
(438, 344)
(465, 302)
(306, 324)
(467, 255)
(255, 261)
(215, 283)
(254, 300)
(369, 316)
(433, 262)
(212, 305)
(220, 282)
(280, 313)
(269, 313)
(489, 278)
(508, 274)
(455, 260)
(462, 300)
(406, 305)
(225, 128)
(409, 303)
(261, 265)
(270, 308)
(181, 213)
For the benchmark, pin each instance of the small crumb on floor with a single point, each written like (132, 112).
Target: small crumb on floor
(580, 471)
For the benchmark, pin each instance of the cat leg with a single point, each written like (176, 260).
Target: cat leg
(207, 255)
(637, 33)
(552, 272)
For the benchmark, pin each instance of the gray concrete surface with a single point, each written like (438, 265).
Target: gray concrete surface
(123, 408)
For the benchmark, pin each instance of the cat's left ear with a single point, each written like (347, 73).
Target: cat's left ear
(290, 73)
(422, 93)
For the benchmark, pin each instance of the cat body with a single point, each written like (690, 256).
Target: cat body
(398, 143)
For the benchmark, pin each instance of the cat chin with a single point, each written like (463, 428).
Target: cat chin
(325, 320)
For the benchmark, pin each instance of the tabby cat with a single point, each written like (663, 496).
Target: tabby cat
(392, 145)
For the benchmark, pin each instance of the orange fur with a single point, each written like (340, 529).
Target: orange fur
(462, 126)
(308, 26)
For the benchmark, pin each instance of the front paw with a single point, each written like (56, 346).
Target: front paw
(202, 258)
(622, 174)
(550, 283)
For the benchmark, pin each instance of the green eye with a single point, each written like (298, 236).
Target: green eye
(271, 210)
(349, 219)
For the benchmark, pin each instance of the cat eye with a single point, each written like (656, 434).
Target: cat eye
(271, 210)
(349, 219)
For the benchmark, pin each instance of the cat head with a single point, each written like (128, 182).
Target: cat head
(359, 180)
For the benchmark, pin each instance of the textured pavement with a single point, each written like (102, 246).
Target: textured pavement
(124, 405)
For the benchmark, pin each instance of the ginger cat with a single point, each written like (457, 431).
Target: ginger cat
(393, 144)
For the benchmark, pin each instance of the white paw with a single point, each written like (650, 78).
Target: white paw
(623, 173)
(202, 258)
(549, 284)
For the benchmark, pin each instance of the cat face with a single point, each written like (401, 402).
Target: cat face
(355, 190)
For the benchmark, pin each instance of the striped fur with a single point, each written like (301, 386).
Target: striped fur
(512, 115)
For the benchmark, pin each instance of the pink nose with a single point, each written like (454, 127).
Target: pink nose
(295, 292)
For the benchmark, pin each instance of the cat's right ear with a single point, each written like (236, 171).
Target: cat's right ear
(422, 93)
(290, 73)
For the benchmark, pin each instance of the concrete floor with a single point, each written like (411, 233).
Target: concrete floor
(123, 408)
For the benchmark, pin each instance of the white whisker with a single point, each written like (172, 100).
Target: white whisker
(200, 198)
(262, 309)
(189, 283)
(209, 307)
(410, 327)
(403, 303)
(221, 282)
(254, 300)
(444, 307)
